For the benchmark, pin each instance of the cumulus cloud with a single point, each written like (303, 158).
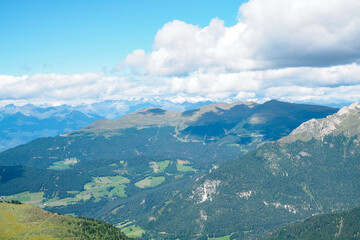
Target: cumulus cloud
(304, 33)
(293, 50)
(269, 34)
(61, 88)
(304, 51)
(333, 84)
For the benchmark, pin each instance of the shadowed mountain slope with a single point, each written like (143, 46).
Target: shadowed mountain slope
(342, 225)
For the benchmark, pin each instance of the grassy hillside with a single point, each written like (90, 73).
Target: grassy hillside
(22, 221)
(343, 225)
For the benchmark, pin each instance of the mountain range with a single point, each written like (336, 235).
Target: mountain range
(21, 124)
(121, 170)
(313, 170)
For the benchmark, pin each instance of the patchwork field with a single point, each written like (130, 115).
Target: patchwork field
(27, 197)
(150, 182)
(133, 231)
(100, 187)
(159, 166)
(181, 166)
(62, 165)
(221, 238)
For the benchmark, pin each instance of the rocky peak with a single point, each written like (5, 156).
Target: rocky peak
(346, 121)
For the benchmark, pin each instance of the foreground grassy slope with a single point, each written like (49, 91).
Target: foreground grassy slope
(343, 225)
(28, 222)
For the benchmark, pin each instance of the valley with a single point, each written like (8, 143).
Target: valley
(122, 171)
(180, 120)
(278, 183)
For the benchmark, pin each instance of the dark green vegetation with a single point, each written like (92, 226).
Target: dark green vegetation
(278, 183)
(121, 170)
(211, 134)
(28, 222)
(343, 225)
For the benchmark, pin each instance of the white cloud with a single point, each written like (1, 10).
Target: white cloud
(300, 84)
(61, 88)
(303, 33)
(296, 50)
(269, 34)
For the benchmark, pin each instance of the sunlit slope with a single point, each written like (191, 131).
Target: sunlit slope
(28, 222)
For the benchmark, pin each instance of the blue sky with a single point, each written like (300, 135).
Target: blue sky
(68, 37)
(74, 52)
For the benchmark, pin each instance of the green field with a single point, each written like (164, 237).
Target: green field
(62, 165)
(221, 238)
(182, 166)
(104, 187)
(55, 202)
(159, 166)
(27, 197)
(150, 182)
(133, 231)
(100, 187)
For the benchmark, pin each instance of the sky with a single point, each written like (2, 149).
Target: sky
(89, 51)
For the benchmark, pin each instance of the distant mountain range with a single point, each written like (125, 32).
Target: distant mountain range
(122, 170)
(314, 170)
(21, 124)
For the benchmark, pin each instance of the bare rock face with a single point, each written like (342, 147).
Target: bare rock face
(346, 121)
(205, 191)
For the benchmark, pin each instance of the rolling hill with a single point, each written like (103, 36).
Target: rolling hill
(20, 221)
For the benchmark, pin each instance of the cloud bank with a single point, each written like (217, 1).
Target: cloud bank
(303, 51)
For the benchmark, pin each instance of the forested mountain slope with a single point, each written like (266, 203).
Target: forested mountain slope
(208, 134)
(121, 169)
(342, 225)
(278, 183)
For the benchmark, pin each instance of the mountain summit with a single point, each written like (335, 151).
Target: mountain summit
(345, 121)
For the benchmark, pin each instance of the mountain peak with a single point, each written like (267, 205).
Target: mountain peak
(349, 109)
(154, 116)
(345, 121)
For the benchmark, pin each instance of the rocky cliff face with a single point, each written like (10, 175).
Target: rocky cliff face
(345, 121)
